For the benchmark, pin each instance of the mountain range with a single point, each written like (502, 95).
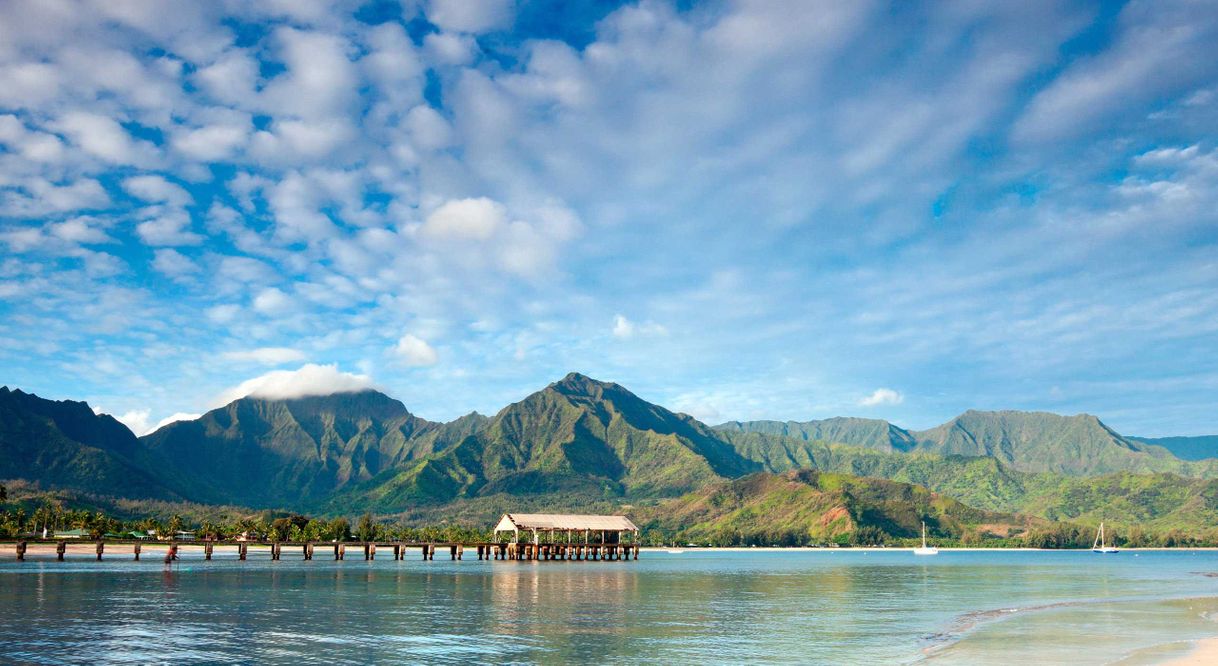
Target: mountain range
(580, 442)
(1078, 445)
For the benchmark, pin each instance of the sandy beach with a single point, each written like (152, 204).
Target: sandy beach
(1204, 652)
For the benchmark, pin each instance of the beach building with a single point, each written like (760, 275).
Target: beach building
(72, 534)
(567, 528)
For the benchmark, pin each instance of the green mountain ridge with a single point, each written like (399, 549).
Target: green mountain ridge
(260, 452)
(1079, 445)
(1151, 500)
(576, 435)
(63, 443)
(871, 433)
(804, 507)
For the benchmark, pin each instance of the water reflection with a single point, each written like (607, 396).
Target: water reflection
(701, 606)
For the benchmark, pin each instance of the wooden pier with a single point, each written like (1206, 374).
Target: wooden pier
(555, 537)
(309, 550)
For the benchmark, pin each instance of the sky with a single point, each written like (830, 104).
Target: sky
(739, 210)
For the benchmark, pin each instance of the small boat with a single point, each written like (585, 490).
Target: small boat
(925, 550)
(1099, 546)
(674, 551)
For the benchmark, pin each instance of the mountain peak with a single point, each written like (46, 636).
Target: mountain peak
(579, 384)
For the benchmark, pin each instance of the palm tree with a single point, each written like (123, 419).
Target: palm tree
(175, 525)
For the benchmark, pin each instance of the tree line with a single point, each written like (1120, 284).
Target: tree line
(51, 514)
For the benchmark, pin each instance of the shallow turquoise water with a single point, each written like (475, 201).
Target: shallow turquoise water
(826, 606)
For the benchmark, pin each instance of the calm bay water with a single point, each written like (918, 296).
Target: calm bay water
(828, 606)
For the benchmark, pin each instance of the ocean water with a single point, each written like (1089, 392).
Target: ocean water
(798, 606)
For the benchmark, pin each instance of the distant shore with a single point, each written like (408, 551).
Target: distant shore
(942, 549)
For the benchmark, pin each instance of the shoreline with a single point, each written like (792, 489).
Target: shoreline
(1201, 652)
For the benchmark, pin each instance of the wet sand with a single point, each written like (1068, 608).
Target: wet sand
(1204, 652)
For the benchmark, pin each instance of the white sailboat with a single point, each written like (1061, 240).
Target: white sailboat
(1099, 546)
(925, 550)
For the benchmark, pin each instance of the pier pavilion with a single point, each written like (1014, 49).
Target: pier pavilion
(560, 528)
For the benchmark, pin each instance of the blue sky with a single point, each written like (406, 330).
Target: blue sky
(737, 209)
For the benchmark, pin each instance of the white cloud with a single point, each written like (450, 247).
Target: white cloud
(104, 138)
(266, 355)
(473, 16)
(428, 129)
(882, 396)
(272, 301)
(156, 189)
(448, 49)
(415, 351)
(166, 227)
(290, 140)
(310, 380)
(34, 146)
(173, 263)
(136, 420)
(231, 78)
(80, 230)
(210, 143)
(172, 418)
(224, 313)
(320, 81)
(42, 197)
(624, 328)
(1151, 58)
(466, 219)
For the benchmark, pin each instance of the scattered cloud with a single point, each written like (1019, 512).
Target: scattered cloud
(625, 328)
(882, 396)
(173, 183)
(414, 351)
(466, 219)
(265, 355)
(173, 263)
(272, 301)
(474, 16)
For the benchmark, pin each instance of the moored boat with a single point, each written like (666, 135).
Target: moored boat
(1099, 546)
(925, 550)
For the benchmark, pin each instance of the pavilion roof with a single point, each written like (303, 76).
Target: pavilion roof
(564, 521)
